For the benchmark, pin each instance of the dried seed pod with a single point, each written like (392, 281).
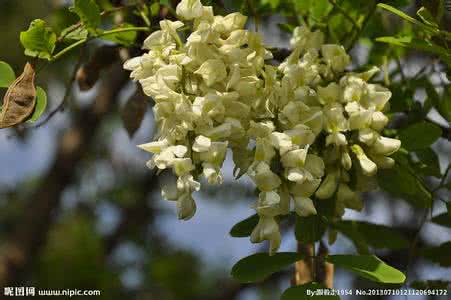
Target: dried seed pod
(20, 99)
(133, 113)
(89, 73)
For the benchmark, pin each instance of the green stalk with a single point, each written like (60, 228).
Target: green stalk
(105, 33)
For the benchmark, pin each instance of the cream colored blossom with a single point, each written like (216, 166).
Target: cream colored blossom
(189, 9)
(300, 130)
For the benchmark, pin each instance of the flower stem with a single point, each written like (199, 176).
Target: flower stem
(105, 33)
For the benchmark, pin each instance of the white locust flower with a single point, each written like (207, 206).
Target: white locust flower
(267, 229)
(186, 207)
(385, 146)
(201, 144)
(189, 9)
(268, 204)
(335, 56)
(212, 71)
(369, 168)
(304, 206)
(328, 186)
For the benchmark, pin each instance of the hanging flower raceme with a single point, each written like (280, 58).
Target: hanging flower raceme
(298, 130)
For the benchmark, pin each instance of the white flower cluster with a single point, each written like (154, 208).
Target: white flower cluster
(299, 130)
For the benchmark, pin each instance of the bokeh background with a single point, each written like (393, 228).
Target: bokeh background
(79, 208)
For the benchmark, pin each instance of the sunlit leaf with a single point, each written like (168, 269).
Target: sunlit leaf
(426, 16)
(41, 104)
(74, 34)
(89, 13)
(404, 16)
(419, 44)
(369, 267)
(126, 38)
(39, 40)
(7, 75)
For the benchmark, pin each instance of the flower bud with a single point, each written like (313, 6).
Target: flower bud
(268, 204)
(267, 229)
(346, 161)
(186, 207)
(328, 186)
(369, 168)
(386, 146)
(348, 197)
(201, 144)
(378, 121)
(304, 206)
(189, 9)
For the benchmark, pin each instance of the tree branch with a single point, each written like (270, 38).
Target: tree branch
(43, 205)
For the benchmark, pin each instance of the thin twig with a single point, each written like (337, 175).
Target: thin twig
(67, 93)
(250, 3)
(103, 13)
(344, 13)
(401, 71)
(412, 247)
(368, 16)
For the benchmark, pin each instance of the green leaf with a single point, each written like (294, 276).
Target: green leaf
(444, 106)
(89, 13)
(39, 40)
(105, 4)
(369, 267)
(375, 235)
(286, 27)
(414, 43)
(320, 8)
(439, 255)
(428, 164)
(126, 38)
(154, 9)
(41, 104)
(442, 219)
(245, 227)
(303, 7)
(400, 182)
(273, 3)
(74, 34)
(7, 75)
(166, 3)
(404, 16)
(307, 291)
(309, 229)
(259, 266)
(426, 16)
(419, 136)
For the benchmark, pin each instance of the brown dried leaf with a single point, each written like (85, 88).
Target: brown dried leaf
(20, 99)
(89, 73)
(133, 113)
